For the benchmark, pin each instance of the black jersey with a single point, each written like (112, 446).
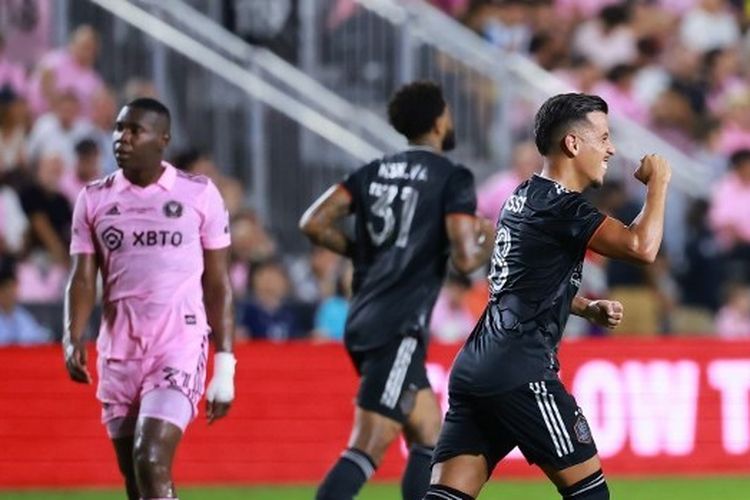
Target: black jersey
(541, 239)
(401, 246)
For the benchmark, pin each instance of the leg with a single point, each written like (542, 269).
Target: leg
(461, 476)
(164, 415)
(583, 481)
(370, 438)
(155, 445)
(421, 430)
(124, 450)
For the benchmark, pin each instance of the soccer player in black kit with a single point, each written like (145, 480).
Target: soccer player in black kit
(504, 388)
(413, 211)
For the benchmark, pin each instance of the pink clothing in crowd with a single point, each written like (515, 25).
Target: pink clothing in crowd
(730, 206)
(623, 103)
(69, 75)
(71, 186)
(732, 324)
(492, 194)
(150, 241)
(732, 138)
(583, 8)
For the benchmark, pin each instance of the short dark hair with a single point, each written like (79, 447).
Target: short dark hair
(739, 158)
(414, 108)
(151, 104)
(86, 147)
(558, 113)
(186, 160)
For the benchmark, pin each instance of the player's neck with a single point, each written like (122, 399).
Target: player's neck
(427, 142)
(143, 176)
(563, 174)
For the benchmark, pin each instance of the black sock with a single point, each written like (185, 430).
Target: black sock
(440, 492)
(347, 476)
(416, 478)
(593, 487)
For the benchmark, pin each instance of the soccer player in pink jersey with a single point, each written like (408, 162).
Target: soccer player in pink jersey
(160, 238)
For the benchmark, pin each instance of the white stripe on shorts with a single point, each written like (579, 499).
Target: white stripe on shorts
(552, 402)
(552, 419)
(396, 377)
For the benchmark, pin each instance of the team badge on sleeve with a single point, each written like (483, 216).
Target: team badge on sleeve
(173, 209)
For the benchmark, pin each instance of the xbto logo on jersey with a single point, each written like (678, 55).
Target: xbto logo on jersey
(157, 238)
(112, 238)
(173, 209)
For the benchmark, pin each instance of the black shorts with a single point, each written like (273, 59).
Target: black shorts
(391, 376)
(541, 418)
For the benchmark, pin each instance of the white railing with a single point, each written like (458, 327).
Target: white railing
(241, 77)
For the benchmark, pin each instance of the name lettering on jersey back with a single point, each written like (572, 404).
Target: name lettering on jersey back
(401, 170)
(377, 189)
(515, 203)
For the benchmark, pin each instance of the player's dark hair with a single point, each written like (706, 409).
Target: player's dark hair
(150, 104)
(739, 158)
(7, 269)
(414, 108)
(559, 113)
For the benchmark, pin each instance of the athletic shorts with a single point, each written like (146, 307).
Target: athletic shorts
(541, 418)
(124, 382)
(391, 376)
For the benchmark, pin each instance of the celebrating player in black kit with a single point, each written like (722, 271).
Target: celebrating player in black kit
(412, 211)
(504, 387)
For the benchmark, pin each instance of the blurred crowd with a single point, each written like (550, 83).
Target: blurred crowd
(679, 67)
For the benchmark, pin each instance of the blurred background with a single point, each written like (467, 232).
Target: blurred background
(275, 100)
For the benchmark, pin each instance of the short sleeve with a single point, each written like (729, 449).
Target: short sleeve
(576, 221)
(81, 240)
(460, 196)
(215, 225)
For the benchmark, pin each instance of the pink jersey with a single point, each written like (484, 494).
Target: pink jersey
(149, 242)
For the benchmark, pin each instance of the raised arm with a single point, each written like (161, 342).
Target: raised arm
(217, 296)
(606, 313)
(638, 243)
(471, 241)
(320, 222)
(80, 297)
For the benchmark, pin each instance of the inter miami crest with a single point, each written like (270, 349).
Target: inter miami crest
(173, 209)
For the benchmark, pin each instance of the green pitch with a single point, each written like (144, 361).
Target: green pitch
(723, 488)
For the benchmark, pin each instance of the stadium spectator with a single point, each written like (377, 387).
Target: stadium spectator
(609, 39)
(733, 320)
(197, 162)
(12, 74)
(619, 92)
(316, 277)
(493, 192)
(49, 212)
(735, 131)
(87, 168)
(13, 221)
(58, 131)
(17, 325)
(250, 244)
(330, 315)
(709, 25)
(13, 131)
(268, 313)
(103, 110)
(730, 206)
(69, 69)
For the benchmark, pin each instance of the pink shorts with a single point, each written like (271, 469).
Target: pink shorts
(123, 383)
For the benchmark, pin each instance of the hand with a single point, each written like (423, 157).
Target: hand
(76, 360)
(220, 392)
(653, 168)
(606, 313)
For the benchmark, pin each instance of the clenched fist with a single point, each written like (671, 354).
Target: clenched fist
(653, 168)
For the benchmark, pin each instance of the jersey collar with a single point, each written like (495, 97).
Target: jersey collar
(166, 179)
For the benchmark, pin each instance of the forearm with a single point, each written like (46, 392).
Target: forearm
(579, 306)
(220, 315)
(334, 239)
(648, 226)
(80, 298)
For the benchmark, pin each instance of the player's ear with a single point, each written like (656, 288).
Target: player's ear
(165, 138)
(571, 145)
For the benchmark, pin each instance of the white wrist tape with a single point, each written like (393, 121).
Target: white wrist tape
(221, 387)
